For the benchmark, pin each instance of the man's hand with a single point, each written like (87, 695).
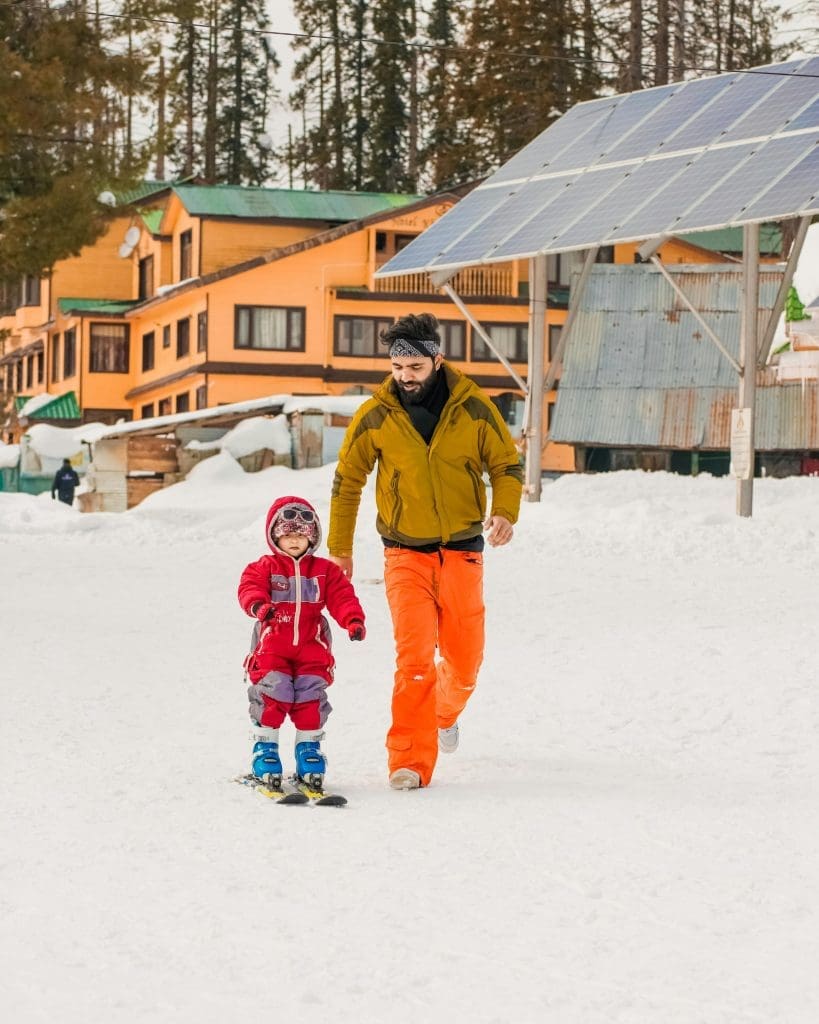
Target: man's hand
(345, 564)
(500, 531)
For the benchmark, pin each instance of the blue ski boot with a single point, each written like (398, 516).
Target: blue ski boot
(311, 764)
(267, 764)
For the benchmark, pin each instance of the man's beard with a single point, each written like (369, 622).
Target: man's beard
(417, 395)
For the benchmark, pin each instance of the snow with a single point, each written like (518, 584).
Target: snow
(35, 403)
(61, 442)
(9, 455)
(628, 833)
(251, 435)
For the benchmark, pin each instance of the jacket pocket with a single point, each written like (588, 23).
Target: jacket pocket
(478, 488)
(397, 504)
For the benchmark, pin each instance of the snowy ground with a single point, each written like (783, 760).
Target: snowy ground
(629, 833)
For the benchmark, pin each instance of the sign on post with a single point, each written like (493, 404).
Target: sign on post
(742, 460)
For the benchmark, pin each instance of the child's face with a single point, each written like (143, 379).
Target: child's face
(293, 544)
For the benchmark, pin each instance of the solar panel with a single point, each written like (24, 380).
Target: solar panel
(749, 178)
(728, 149)
(535, 157)
(793, 195)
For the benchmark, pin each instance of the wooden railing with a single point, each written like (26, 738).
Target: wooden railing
(471, 281)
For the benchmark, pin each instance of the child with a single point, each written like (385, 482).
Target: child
(291, 665)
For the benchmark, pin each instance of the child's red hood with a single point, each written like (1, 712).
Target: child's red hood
(282, 503)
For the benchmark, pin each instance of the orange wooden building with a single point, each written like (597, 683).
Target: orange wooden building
(215, 294)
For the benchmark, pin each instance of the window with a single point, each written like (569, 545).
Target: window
(30, 372)
(148, 346)
(453, 338)
(509, 339)
(185, 255)
(164, 407)
(358, 336)
(40, 367)
(147, 411)
(183, 337)
(605, 254)
(202, 331)
(558, 269)
(146, 277)
(166, 336)
(269, 327)
(109, 348)
(31, 291)
(19, 387)
(55, 357)
(202, 397)
(70, 353)
(554, 340)
(183, 402)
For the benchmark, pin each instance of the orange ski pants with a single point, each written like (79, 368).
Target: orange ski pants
(436, 600)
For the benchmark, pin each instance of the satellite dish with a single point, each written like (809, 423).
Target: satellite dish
(125, 250)
(132, 236)
(107, 199)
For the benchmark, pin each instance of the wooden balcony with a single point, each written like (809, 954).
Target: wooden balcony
(469, 282)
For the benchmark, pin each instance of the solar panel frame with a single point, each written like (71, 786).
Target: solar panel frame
(713, 156)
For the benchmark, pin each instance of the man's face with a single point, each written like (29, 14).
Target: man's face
(414, 376)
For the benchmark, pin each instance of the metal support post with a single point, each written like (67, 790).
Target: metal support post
(748, 348)
(533, 425)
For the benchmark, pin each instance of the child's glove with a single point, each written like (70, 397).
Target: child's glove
(263, 611)
(356, 630)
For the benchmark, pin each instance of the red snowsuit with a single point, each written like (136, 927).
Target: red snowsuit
(292, 664)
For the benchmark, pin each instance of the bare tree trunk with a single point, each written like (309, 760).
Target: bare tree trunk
(412, 141)
(661, 44)
(678, 23)
(212, 92)
(635, 47)
(160, 120)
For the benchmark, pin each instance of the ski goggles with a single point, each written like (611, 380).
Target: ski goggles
(289, 514)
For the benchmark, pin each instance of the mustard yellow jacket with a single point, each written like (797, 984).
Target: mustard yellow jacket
(426, 494)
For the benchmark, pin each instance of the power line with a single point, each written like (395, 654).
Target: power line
(421, 45)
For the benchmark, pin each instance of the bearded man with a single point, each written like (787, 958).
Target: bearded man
(433, 433)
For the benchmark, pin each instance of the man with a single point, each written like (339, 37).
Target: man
(65, 480)
(432, 432)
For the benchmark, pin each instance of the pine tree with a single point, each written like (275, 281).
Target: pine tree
(388, 156)
(60, 115)
(794, 307)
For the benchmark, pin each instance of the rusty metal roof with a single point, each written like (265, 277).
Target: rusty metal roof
(640, 371)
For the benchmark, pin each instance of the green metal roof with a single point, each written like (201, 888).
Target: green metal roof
(96, 307)
(152, 219)
(730, 239)
(63, 407)
(142, 191)
(287, 204)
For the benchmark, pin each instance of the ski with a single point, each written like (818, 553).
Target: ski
(286, 795)
(317, 796)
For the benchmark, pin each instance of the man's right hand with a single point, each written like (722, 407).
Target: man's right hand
(345, 564)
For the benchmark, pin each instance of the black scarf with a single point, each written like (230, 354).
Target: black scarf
(425, 414)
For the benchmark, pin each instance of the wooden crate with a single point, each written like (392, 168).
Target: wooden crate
(139, 487)
(152, 454)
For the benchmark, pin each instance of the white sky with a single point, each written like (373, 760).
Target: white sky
(628, 833)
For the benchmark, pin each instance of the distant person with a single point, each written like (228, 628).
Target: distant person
(65, 480)
(432, 432)
(291, 665)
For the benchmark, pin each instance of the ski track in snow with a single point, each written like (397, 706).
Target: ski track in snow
(627, 834)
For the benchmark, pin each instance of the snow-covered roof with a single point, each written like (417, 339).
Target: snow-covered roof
(342, 405)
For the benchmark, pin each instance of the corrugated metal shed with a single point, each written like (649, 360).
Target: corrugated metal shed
(641, 372)
(287, 204)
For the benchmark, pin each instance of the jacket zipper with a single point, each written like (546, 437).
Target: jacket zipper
(297, 614)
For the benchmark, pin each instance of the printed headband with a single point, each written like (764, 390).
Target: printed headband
(428, 347)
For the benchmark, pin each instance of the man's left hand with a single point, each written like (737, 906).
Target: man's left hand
(500, 531)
